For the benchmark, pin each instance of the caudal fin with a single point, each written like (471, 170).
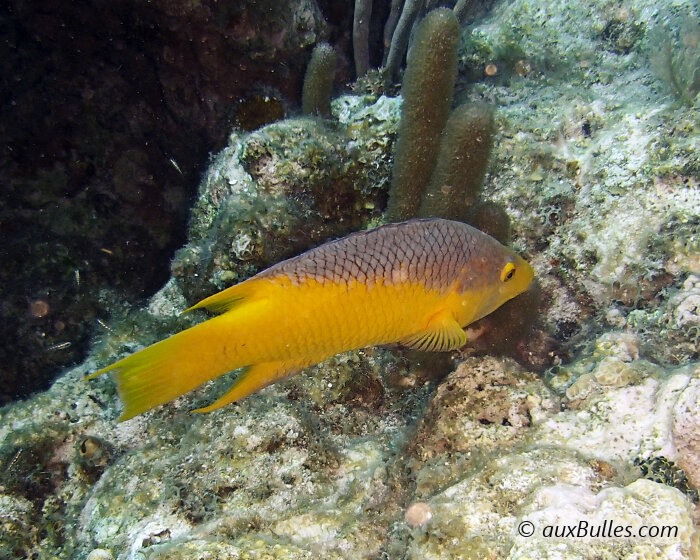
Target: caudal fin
(172, 367)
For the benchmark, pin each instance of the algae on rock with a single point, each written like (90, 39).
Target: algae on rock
(280, 190)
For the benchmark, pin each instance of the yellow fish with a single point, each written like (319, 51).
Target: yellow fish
(417, 283)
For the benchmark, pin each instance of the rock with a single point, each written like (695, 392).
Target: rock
(686, 430)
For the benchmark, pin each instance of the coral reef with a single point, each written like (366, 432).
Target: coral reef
(368, 455)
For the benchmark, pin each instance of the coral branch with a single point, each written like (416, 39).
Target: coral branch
(318, 81)
(399, 41)
(360, 36)
(427, 96)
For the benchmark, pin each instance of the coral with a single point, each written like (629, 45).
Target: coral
(282, 189)
(478, 516)
(477, 506)
(462, 161)
(637, 417)
(427, 95)
(686, 304)
(360, 35)
(613, 348)
(318, 81)
(399, 38)
(260, 469)
(398, 29)
(446, 180)
(614, 372)
(486, 404)
(615, 235)
(253, 548)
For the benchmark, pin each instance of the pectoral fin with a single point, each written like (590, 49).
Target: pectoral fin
(251, 379)
(442, 335)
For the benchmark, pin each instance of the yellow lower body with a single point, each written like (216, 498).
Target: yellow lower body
(281, 328)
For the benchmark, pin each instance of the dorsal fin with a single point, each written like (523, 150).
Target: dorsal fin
(229, 298)
(442, 334)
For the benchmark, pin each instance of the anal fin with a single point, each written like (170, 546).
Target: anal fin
(442, 334)
(251, 379)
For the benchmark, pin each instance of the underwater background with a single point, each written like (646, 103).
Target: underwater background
(158, 152)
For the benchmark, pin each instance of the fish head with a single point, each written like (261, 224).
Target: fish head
(492, 276)
(514, 277)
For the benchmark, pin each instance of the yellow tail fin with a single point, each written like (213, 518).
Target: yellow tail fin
(178, 364)
(172, 367)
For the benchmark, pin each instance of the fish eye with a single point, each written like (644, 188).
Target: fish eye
(508, 272)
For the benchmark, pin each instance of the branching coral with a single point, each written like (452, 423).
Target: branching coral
(399, 25)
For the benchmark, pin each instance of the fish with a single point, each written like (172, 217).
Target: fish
(417, 283)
